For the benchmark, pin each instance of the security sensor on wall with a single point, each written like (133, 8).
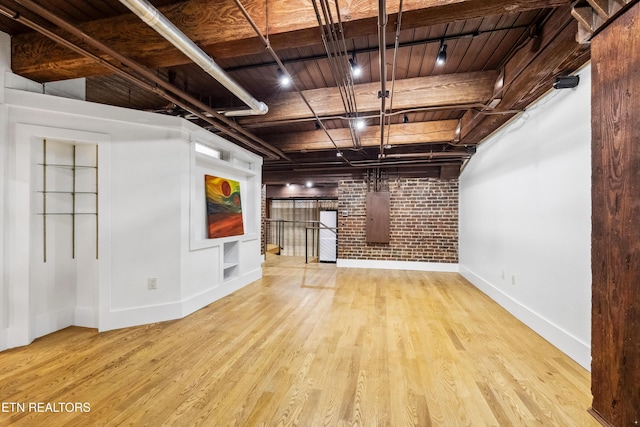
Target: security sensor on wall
(566, 82)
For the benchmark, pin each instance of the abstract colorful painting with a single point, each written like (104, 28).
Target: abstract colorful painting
(224, 210)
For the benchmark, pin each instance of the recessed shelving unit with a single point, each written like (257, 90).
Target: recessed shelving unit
(230, 259)
(71, 206)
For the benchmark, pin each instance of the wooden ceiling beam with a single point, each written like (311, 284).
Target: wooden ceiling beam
(530, 74)
(418, 92)
(399, 134)
(220, 29)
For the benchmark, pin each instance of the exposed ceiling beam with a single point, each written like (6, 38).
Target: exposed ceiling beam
(530, 73)
(399, 134)
(220, 30)
(369, 49)
(441, 90)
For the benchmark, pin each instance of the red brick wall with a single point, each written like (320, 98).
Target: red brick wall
(424, 221)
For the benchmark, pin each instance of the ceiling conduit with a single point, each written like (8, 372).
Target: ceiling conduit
(274, 55)
(161, 24)
(393, 74)
(382, 43)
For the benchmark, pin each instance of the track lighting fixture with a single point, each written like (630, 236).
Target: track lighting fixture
(283, 78)
(405, 119)
(356, 70)
(442, 54)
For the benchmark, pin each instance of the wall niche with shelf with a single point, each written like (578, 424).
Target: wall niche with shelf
(230, 259)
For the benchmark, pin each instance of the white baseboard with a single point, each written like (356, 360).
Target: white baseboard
(51, 322)
(564, 341)
(87, 317)
(202, 299)
(398, 265)
(136, 316)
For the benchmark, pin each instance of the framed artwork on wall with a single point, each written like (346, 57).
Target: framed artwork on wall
(224, 207)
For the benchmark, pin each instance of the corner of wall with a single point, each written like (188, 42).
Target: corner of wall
(5, 52)
(563, 340)
(3, 339)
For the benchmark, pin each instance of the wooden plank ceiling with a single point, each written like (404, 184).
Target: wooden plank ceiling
(501, 56)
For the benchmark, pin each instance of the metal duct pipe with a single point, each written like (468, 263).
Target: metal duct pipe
(161, 87)
(156, 20)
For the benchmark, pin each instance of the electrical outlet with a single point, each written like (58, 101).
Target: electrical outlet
(152, 283)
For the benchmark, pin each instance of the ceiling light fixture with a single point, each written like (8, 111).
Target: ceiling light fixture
(405, 119)
(360, 124)
(309, 184)
(283, 78)
(356, 70)
(442, 54)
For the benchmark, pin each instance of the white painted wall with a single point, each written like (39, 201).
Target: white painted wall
(5, 64)
(525, 218)
(147, 225)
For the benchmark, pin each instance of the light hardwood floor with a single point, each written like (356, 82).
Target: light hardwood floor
(308, 345)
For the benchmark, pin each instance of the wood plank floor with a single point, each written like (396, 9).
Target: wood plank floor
(308, 345)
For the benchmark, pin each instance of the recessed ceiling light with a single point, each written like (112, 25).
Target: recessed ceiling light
(283, 78)
(442, 54)
(356, 70)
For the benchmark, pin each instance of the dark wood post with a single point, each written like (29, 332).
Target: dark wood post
(615, 53)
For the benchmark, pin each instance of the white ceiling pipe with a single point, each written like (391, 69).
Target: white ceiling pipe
(156, 20)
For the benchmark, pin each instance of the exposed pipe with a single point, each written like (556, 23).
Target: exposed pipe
(382, 43)
(185, 100)
(374, 164)
(156, 20)
(432, 155)
(464, 107)
(336, 50)
(275, 57)
(393, 69)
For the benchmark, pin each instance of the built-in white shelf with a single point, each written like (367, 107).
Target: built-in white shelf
(231, 251)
